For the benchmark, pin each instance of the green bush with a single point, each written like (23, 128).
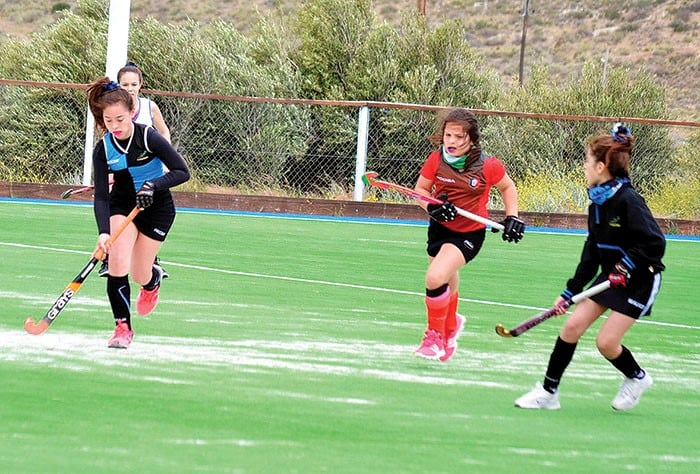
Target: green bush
(365, 60)
(536, 145)
(551, 191)
(330, 49)
(59, 7)
(678, 196)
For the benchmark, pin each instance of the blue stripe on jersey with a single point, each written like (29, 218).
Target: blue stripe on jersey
(116, 161)
(625, 258)
(148, 172)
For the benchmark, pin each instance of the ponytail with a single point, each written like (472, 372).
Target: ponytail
(104, 92)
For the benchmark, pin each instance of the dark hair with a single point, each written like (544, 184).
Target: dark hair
(104, 92)
(130, 67)
(614, 149)
(468, 122)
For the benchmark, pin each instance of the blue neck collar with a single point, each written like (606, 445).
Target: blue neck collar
(602, 192)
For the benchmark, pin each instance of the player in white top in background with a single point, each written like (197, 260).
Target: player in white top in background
(146, 111)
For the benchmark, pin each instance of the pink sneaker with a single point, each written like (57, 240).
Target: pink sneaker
(122, 336)
(147, 301)
(432, 347)
(452, 336)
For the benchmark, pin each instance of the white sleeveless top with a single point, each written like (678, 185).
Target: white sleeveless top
(144, 116)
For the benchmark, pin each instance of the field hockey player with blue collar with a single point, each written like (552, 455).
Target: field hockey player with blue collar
(460, 176)
(145, 112)
(137, 156)
(624, 246)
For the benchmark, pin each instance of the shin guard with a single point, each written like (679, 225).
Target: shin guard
(451, 321)
(437, 302)
(119, 293)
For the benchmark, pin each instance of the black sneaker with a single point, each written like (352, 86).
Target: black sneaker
(164, 272)
(104, 269)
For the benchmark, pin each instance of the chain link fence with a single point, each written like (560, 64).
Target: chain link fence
(308, 148)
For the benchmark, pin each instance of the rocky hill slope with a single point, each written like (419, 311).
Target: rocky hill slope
(657, 36)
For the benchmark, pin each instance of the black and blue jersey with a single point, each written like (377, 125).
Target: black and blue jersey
(620, 229)
(144, 156)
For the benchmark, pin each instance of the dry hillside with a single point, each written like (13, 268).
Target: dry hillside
(661, 37)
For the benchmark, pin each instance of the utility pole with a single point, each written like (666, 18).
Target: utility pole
(422, 6)
(526, 13)
(605, 60)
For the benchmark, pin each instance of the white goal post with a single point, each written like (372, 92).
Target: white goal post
(117, 46)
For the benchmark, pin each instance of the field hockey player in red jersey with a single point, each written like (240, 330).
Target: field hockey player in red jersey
(459, 175)
(626, 244)
(136, 155)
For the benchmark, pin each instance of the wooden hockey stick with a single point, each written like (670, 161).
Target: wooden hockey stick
(74, 285)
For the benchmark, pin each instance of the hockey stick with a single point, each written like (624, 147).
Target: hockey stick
(545, 315)
(370, 179)
(69, 192)
(74, 285)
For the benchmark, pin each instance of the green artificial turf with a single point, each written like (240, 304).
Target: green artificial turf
(286, 346)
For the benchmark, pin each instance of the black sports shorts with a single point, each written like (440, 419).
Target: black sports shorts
(155, 221)
(634, 300)
(469, 243)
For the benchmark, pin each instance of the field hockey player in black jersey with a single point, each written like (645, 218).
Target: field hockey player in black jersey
(144, 166)
(624, 246)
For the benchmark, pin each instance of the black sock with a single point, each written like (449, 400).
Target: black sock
(119, 294)
(154, 281)
(558, 362)
(626, 364)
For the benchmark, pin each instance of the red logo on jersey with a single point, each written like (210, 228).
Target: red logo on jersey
(474, 182)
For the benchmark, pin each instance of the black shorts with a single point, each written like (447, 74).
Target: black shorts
(634, 300)
(155, 221)
(469, 243)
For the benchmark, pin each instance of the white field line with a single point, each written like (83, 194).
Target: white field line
(202, 268)
(176, 356)
(170, 360)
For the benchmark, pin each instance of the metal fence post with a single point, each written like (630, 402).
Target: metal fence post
(361, 159)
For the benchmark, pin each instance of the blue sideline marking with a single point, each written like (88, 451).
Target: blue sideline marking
(366, 220)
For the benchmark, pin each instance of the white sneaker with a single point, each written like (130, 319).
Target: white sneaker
(630, 392)
(539, 398)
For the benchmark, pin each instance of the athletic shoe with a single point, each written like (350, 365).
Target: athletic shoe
(148, 299)
(104, 269)
(452, 337)
(156, 261)
(539, 398)
(630, 392)
(122, 336)
(432, 347)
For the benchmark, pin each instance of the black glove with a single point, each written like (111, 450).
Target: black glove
(442, 212)
(513, 229)
(144, 197)
(620, 275)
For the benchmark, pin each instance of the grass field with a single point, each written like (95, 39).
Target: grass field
(284, 345)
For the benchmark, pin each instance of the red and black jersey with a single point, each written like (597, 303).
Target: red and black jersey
(468, 189)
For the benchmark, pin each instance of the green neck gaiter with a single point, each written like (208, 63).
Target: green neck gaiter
(457, 162)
